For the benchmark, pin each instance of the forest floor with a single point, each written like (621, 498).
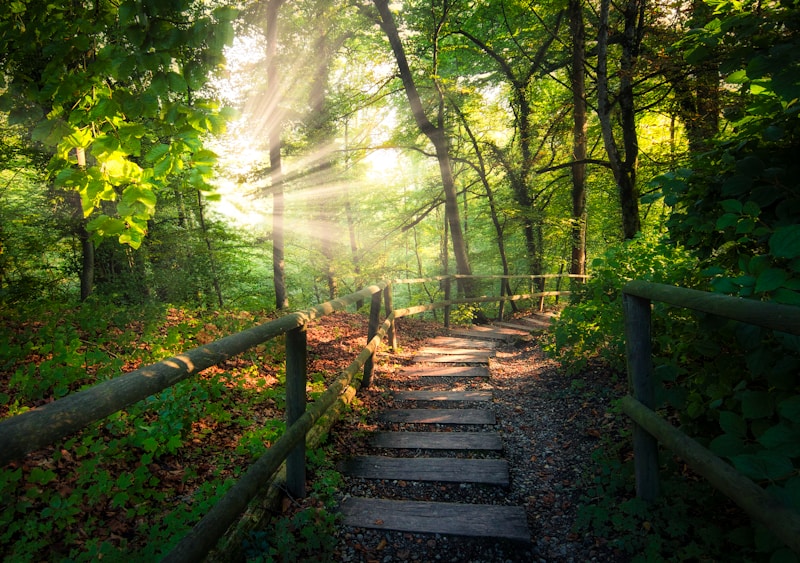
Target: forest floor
(550, 424)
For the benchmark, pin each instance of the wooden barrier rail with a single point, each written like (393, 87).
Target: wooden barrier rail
(42, 426)
(650, 429)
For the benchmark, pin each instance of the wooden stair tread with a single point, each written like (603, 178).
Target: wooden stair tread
(472, 358)
(474, 520)
(484, 334)
(438, 416)
(438, 440)
(435, 469)
(447, 371)
(463, 342)
(442, 395)
(448, 350)
(514, 326)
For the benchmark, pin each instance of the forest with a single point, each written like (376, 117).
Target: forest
(175, 171)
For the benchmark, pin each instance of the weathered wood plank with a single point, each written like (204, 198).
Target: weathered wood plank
(448, 371)
(513, 326)
(456, 350)
(438, 440)
(465, 342)
(438, 416)
(483, 333)
(442, 395)
(474, 520)
(476, 358)
(535, 322)
(435, 469)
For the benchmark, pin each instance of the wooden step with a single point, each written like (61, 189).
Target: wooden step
(449, 350)
(471, 358)
(434, 469)
(514, 326)
(486, 333)
(490, 441)
(447, 371)
(474, 520)
(438, 416)
(535, 322)
(463, 342)
(442, 395)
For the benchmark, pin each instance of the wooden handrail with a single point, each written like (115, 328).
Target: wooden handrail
(650, 429)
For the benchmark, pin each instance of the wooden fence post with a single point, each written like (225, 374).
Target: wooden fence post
(391, 335)
(640, 370)
(296, 376)
(501, 304)
(374, 323)
(447, 298)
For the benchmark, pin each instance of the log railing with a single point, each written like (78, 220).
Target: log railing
(650, 429)
(43, 426)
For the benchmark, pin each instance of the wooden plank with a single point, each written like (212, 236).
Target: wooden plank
(438, 416)
(473, 520)
(448, 371)
(535, 322)
(477, 358)
(481, 334)
(455, 350)
(438, 440)
(431, 469)
(513, 326)
(465, 342)
(442, 395)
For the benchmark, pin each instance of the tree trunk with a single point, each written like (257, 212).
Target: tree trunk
(578, 83)
(211, 262)
(275, 126)
(87, 246)
(438, 137)
(622, 166)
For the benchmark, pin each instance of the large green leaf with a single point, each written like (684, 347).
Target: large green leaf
(757, 404)
(785, 242)
(782, 438)
(764, 465)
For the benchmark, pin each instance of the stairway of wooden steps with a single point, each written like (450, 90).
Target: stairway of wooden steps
(462, 356)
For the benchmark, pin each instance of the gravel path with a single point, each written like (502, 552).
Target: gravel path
(550, 427)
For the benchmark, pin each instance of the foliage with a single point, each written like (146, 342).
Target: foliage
(308, 533)
(592, 325)
(119, 84)
(134, 482)
(677, 526)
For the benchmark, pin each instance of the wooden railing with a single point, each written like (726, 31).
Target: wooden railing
(43, 426)
(650, 429)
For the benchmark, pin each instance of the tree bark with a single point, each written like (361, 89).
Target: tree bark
(87, 246)
(438, 137)
(623, 163)
(578, 83)
(274, 133)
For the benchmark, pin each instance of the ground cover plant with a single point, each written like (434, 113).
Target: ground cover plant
(132, 484)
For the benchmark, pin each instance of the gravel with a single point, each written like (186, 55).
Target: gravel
(550, 426)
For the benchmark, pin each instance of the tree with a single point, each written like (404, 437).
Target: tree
(623, 162)
(579, 141)
(111, 90)
(437, 134)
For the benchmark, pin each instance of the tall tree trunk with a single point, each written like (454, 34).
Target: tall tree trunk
(622, 166)
(438, 137)
(87, 246)
(212, 264)
(275, 129)
(578, 83)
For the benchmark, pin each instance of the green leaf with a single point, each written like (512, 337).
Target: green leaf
(149, 444)
(764, 465)
(790, 409)
(757, 404)
(785, 242)
(104, 225)
(727, 446)
(770, 279)
(733, 424)
(783, 439)
(731, 206)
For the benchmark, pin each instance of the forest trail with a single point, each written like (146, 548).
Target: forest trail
(441, 434)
